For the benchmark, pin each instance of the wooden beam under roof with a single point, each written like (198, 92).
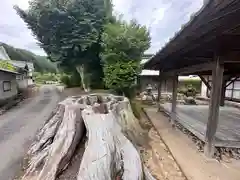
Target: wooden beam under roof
(191, 69)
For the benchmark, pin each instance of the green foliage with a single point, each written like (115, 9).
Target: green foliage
(191, 82)
(121, 75)
(65, 79)
(75, 32)
(71, 80)
(69, 30)
(124, 45)
(136, 108)
(41, 63)
(124, 41)
(64, 27)
(189, 91)
(41, 78)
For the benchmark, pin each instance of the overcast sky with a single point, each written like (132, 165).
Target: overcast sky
(162, 17)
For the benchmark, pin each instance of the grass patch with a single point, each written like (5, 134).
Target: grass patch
(136, 108)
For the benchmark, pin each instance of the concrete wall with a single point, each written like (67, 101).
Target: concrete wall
(7, 77)
(30, 78)
(22, 82)
(30, 82)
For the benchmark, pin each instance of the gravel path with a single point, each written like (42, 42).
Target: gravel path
(19, 126)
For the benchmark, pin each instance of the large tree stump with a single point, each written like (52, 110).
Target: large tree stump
(56, 143)
(109, 153)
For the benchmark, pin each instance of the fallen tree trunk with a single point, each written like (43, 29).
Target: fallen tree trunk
(109, 153)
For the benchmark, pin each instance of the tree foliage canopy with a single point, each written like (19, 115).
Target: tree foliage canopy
(76, 32)
(65, 28)
(124, 45)
(69, 30)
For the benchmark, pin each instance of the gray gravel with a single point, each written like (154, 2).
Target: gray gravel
(19, 126)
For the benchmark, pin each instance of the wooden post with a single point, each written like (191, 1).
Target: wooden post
(213, 116)
(222, 100)
(225, 84)
(159, 91)
(205, 82)
(174, 99)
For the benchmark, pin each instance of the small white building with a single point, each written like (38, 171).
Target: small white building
(25, 76)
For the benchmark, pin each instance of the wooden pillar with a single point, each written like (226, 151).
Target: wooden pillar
(224, 87)
(222, 100)
(159, 91)
(213, 116)
(174, 99)
(205, 82)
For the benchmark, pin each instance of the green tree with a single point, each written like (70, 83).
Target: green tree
(124, 45)
(69, 31)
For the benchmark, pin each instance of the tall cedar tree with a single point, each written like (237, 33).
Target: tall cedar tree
(69, 31)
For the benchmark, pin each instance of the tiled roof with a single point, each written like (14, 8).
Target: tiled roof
(7, 71)
(22, 64)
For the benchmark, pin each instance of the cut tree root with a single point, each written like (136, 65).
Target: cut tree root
(110, 152)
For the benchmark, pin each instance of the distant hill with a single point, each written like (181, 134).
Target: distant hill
(41, 63)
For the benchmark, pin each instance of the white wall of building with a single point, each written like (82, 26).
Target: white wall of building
(7, 78)
(232, 91)
(22, 81)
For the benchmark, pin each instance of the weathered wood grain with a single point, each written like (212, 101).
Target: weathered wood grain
(110, 152)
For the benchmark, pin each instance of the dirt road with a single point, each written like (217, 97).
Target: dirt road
(19, 126)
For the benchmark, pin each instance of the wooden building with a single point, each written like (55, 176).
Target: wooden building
(209, 45)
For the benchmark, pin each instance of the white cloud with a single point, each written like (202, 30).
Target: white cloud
(21, 3)
(13, 30)
(162, 17)
(158, 15)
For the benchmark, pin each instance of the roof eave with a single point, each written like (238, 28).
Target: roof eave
(13, 72)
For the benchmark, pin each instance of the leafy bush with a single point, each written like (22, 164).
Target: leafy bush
(121, 77)
(41, 78)
(190, 91)
(65, 79)
(191, 82)
(123, 46)
(72, 80)
(136, 108)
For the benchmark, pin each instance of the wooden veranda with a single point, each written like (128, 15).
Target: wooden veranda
(208, 45)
